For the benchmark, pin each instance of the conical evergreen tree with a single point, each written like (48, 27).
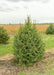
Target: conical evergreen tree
(50, 29)
(4, 37)
(28, 46)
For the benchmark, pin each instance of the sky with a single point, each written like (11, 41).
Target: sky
(16, 11)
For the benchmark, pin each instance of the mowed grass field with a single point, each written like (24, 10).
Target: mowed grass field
(8, 48)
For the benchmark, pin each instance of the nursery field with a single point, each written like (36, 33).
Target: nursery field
(44, 66)
(7, 48)
(12, 29)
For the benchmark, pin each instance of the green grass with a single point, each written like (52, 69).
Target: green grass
(11, 39)
(4, 49)
(45, 36)
(7, 48)
(50, 42)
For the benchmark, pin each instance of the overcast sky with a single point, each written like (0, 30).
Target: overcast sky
(15, 11)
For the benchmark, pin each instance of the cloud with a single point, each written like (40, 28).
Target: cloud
(19, 0)
(25, 7)
(45, 1)
(2, 9)
(27, 0)
(17, 7)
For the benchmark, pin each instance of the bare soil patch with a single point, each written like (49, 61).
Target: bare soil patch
(7, 64)
(45, 39)
(6, 57)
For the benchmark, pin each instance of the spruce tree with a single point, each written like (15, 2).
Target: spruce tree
(50, 29)
(28, 46)
(4, 37)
